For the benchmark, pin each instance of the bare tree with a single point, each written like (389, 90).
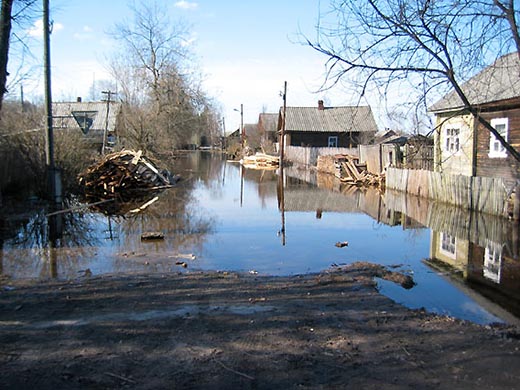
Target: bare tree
(162, 95)
(15, 18)
(430, 45)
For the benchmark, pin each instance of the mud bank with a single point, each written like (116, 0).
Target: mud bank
(234, 331)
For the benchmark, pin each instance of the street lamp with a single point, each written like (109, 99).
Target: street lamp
(242, 130)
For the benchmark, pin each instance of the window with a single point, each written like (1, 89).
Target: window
(333, 142)
(496, 149)
(448, 245)
(85, 119)
(492, 262)
(452, 139)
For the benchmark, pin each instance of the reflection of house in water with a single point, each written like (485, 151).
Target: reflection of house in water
(492, 262)
(483, 249)
(330, 196)
(492, 270)
(445, 247)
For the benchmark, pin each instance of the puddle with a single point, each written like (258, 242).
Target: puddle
(224, 217)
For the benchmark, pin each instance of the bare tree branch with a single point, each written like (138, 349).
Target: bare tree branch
(383, 42)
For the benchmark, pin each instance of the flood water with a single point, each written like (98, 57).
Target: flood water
(224, 217)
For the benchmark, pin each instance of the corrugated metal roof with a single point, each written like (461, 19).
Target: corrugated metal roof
(330, 119)
(499, 81)
(65, 113)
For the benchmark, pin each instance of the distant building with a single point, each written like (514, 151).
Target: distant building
(389, 136)
(233, 137)
(252, 135)
(268, 128)
(96, 120)
(336, 127)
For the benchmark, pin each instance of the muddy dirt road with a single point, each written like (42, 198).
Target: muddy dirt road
(231, 331)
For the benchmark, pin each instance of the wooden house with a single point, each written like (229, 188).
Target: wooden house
(268, 128)
(320, 126)
(252, 135)
(234, 137)
(462, 145)
(96, 120)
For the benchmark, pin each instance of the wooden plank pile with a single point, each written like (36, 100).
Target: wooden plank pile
(124, 172)
(261, 161)
(350, 171)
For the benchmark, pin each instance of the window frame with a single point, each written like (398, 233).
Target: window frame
(493, 141)
(492, 267)
(452, 140)
(332, 138)
(448, 245)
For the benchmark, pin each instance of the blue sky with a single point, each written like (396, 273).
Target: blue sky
(245, 49)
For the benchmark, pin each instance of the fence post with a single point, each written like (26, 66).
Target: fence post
(516, 203)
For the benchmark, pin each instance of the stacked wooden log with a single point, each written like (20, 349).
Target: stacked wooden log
(260, 161)
(123, 172)
(350, 171)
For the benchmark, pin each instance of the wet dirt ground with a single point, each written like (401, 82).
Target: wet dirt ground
(232, 331)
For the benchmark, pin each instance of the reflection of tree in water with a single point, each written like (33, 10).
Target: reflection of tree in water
(176, 215)
(209, 167)
(36, 246)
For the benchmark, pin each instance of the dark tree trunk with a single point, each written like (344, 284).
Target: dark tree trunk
(5, 32)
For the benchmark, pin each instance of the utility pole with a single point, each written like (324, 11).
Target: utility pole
(243, 131)
(52, 175)
(282, 130)
(109, 94)
(223, 133)
(21, 98)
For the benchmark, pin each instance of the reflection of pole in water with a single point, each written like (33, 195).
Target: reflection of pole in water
(55, 223)
(241, 184)
(111, 235)
(281, 203)
(224, 171)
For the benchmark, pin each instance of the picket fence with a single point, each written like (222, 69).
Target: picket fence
(481, 194)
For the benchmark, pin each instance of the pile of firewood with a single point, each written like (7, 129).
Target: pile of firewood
(123, 172)
(261, 161)
(349, 171)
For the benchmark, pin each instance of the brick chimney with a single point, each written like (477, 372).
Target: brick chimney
(320, 105)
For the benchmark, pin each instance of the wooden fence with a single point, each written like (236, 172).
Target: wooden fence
(479, 228)
(309, 155)
(417, 157)
(482, 194)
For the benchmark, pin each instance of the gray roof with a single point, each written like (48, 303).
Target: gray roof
(269, 121)
(330, 119)
(497, 82)
(71, 115)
